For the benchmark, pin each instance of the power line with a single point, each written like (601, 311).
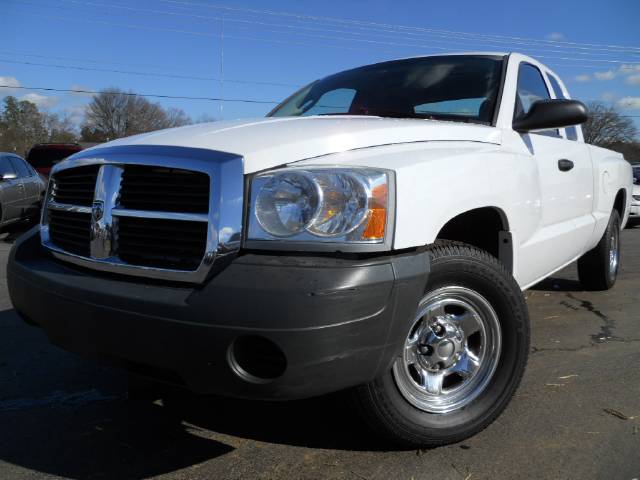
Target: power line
(297, 27)
(149, 74)
(178, 97)
(316, 18)
(186, 32)
(149, 95)
(83, 60)
(325, 37)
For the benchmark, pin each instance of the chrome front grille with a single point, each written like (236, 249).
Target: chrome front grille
(145, 211)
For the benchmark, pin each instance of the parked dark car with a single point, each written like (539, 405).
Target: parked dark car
(43, 156)
(21, 190)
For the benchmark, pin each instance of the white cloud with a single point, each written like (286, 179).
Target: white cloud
(625, 69)
(629, 69)
(41, 101)
(608, 75)
(76, 113)
(9, 82)
(629, 103)
(633, 80)
(555, 36)
(608, 96)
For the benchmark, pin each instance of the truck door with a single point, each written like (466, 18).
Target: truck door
(565, 186)
(582, 172)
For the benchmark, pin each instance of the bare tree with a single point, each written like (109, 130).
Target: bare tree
(177, 118)
(607, 128)
(205, 118)
(114, 114)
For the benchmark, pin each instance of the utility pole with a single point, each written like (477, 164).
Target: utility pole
(221, 67)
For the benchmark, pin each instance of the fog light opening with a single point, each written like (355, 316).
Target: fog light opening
(256, 359)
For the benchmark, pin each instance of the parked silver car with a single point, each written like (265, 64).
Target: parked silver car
(21, 190)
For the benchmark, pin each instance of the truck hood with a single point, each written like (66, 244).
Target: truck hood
(270, 142)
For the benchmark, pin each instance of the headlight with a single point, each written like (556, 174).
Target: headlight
(321, 205)
(287, 203)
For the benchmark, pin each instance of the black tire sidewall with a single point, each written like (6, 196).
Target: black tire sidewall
(614, 226)
(506, 298)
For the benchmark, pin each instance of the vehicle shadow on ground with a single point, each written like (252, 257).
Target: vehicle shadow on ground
(557, 284)
(116, 440)
(11, 233)
(328, 422)
(140, 439)
(84, 426)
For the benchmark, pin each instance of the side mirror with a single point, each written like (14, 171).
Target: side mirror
(547, 114)
(9, 176)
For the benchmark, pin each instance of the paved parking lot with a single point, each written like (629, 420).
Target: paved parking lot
(576, 415)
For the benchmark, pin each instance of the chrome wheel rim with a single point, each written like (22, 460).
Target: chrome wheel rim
(614, 253)
(451, 352)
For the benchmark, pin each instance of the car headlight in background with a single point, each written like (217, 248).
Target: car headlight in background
(321, 205)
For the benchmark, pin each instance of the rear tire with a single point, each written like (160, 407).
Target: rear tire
(427, 403)
(598, 268)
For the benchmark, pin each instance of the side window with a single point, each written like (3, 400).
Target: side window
(6, 167)
(20, 167)
(572, 132)
(531, 88)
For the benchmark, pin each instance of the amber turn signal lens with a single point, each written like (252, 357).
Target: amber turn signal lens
(376, 225)
(377, 214)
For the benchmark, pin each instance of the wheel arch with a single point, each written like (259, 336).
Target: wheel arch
(620, 202)
(484, 227)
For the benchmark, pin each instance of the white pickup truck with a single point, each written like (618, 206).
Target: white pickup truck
(373, 234)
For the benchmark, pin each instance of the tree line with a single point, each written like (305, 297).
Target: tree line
(114, 113)
(111, 114)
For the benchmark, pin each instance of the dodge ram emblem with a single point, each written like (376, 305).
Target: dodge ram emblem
(97, 211)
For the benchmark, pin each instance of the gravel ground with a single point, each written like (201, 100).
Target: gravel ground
(576, 415)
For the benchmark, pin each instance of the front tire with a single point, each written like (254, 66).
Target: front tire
(598, 268)
(463, 357)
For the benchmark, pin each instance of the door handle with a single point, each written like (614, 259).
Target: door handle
(565, 165)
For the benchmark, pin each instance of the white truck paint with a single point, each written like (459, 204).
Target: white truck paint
(444, 169)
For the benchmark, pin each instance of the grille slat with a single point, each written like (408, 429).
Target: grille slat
(161, 242)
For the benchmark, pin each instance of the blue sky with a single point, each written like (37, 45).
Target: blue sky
(151, 46)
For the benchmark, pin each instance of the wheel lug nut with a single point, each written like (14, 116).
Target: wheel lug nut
(425, 349)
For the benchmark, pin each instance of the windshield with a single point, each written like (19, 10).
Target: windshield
(636, 175)
(455, 87)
